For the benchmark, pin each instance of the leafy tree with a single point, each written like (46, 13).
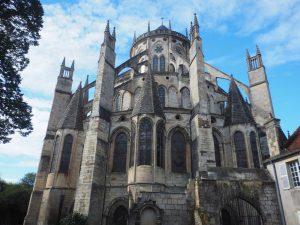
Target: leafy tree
(14, 199)
(20, 23)
(74, 219)
(28, 179)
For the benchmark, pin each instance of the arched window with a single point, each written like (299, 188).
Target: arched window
(55, 154)
(173, 97)
(132, 147)
(172, 68)
(217, 151)
(155, 63)
(178, 152)
(240, 149)
(66, 154)
(185, 98)
(145, 142)
(161, 95)
(118, 103)
(120, 153)
(254, 150)
(126, 100)
(162, 64)
(160, 148)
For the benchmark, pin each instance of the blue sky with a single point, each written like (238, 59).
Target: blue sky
(74, 29)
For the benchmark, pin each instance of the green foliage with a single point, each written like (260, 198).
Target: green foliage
(28, 179)
(20, 23)
(74, 219)
(14, 199)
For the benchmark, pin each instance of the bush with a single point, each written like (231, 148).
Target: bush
(74, 219)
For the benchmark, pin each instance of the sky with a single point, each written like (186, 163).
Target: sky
(74, 29)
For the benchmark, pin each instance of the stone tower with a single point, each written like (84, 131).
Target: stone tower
(160, 142)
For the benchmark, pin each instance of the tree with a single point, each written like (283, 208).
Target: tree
(28, 179)
(14, 200)
(20, 23)
(74, 219)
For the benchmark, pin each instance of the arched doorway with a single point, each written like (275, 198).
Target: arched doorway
(240, 212)
(120, 216)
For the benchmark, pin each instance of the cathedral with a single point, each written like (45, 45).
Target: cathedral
(160, 142)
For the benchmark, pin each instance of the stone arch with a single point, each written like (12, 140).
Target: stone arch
(149, 206)
(172, 97)
(126, 101)
(171, 68)
(117, 212)
(240, 211)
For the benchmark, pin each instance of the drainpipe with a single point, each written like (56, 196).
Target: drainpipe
(278, 195)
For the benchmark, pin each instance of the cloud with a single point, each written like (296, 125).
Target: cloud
(75, 31)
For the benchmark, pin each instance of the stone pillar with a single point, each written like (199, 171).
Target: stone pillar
(272, 131)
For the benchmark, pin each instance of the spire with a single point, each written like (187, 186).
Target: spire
(134, 37)
(63, 62)
(257, 50)
(191, 29)
(237, 111)
(170, 28)
(148, 26)
(196, 20)
(86, 80)
(114, 32)
(247, 53)
(73, 115)
(107, 30)
(186, 33)
(148, 101)
(72, 66)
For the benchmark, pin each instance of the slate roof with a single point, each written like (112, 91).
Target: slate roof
(73, 115)
(162, 27)
(293, 142)
(237, 111)
(148, 101)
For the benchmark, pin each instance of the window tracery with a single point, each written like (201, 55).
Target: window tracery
(178, 152)
(145, 142)
(160, 148)
(66, 154)
(120, 153)
(155, 63)
(240, 149)
(161, 96)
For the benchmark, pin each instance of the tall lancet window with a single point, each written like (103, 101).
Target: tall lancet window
(55, 154)
(155, 63)
(160, 148)
(240, 149)
(217, 151)
(161, 95)
(145, 142)
(178, 152)
(254, 150)
(120, 153)
(66, 154)
(185, 98)
(118, 103)
(162, 64)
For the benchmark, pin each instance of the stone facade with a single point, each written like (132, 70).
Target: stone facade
(160, 143)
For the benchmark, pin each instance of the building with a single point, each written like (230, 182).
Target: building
(285, 168)
(160, 143)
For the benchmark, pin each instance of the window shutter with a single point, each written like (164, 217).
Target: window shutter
(283, 176)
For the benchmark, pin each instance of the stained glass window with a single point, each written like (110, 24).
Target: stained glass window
(145, 142)
(217, 151)
(155, 63)
(240, 149)
(162, 64)
(120, 216)
(254, 149)
(132, 147)
(66, 154)
(160, 148)
(120, 153)
(178, 152)
(161, 95)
